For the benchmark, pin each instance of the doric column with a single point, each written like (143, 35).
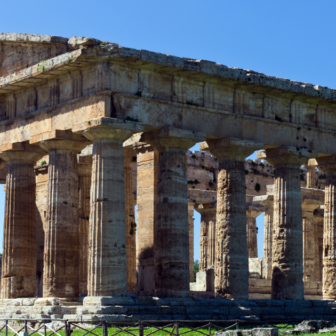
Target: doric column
(311, 179)
(129, 164)
(107, 270)
(171, 234)
(231, 267)
(267, 201)
(208, 235)
(84, 185)
(253, 210)
(311, 200)
(328, 165)
(19, 244)
(287, 259)
(61, 245)
(318, 241)
(147, 175)
(41, 180)
(191, 239)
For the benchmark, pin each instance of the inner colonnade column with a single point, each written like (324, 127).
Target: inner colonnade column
(287, 259)
(191, 239)
(61, 248)
(19, 248)
(253, 210)
(107, 269)
(309, 204)
(208, 235)
(171, 234)
(268, 202)
(328, 165)
(231, 264)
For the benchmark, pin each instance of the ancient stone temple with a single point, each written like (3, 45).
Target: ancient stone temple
(89, 129)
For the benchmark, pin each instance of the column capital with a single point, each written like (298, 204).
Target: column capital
(326, 163)
(107, 129)
(235, 148)
(20, 152)
(206, 208)
(286, 156)
(172, 138)
(311, 199)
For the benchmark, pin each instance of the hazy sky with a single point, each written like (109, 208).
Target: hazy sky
(290, 39)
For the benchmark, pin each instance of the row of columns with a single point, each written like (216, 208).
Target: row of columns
(166, 192)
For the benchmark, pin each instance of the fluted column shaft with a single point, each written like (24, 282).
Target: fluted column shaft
(191, 240)
(19, 243)
(208, 235)
(268, 232)
(171, 234)
(147, 170)
(251, 230)
(107, 271)
(287, 258)
(231, 266)
(328, 165)
(129, 163)
(329, 238)
(61, 247)
(203, 254)
(84, 184)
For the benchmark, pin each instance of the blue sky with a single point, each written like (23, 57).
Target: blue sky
(288, 38)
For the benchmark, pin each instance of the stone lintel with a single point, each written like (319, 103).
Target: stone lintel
(169, 137)
(235, 148)
(266, 200)
(286, 155)
(309, 194)
(202, 196)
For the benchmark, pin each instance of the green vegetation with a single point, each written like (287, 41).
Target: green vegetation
(196, 268)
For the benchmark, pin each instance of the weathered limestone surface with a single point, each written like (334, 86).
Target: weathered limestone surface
(129, 163)
(171, 234)
(287, 225)
(147, 175)
(231, 265)
(19, 250)
(107, 270)
(328, 166)
(61, 247)
(84, 185)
